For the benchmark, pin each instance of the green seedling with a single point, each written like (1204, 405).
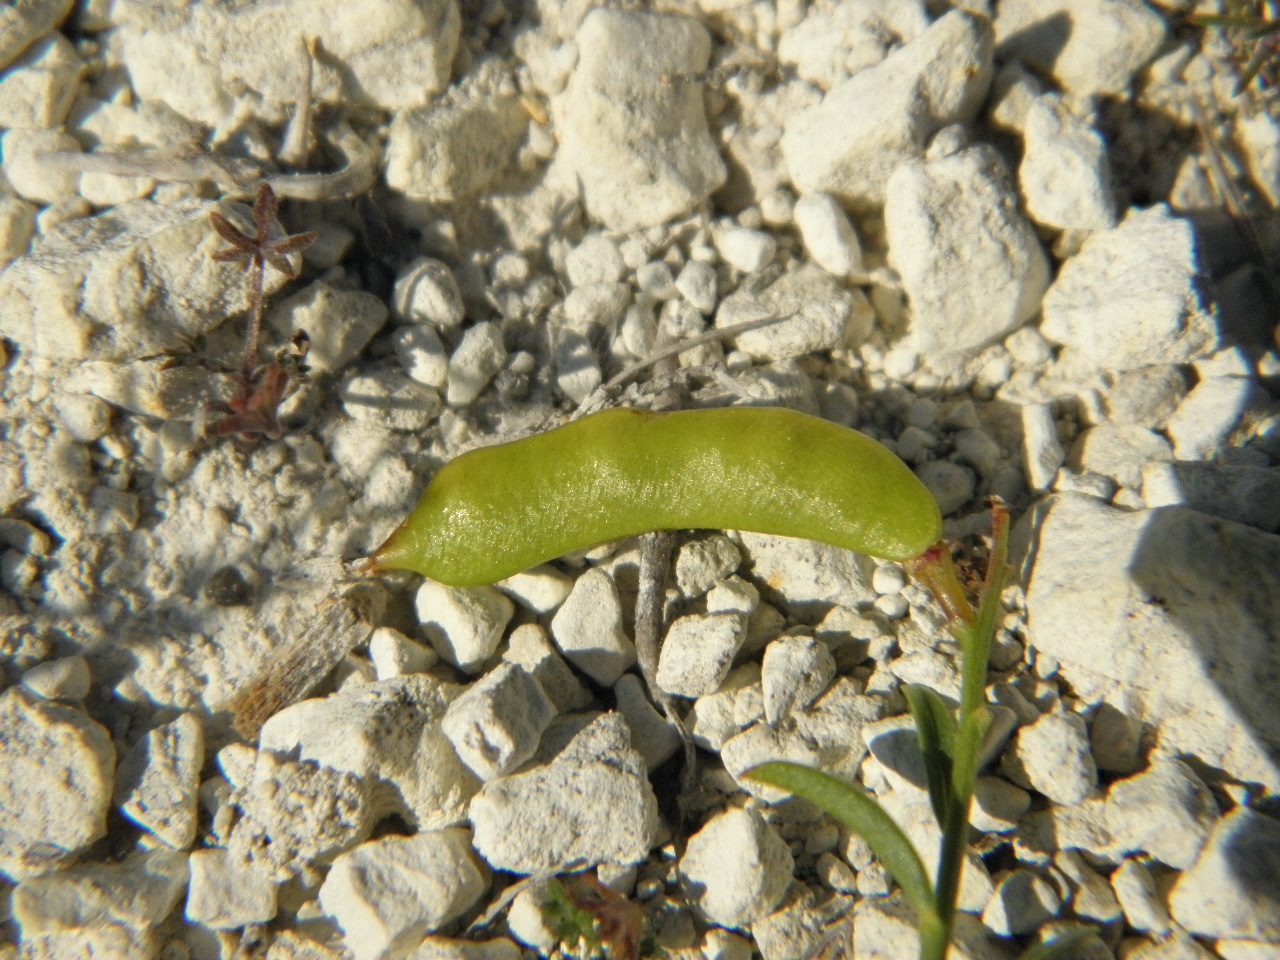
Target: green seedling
(950, 743)
(591, 921)
(254, 410)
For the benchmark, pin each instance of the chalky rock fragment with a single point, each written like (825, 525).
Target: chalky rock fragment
(866, 126)
(653, 735)
(698, 651)
(205, 60)
(578, 371)
(387, 894)
(1205, 418)
(56, 771)
(637, 146)
(832, 43)
(1248, 495)
(386, 397)
(588, 629)
(1233, 890)
(736, 868)
(803, 571)
(541, 589)
(17, 224)
(463, 624)
(479, 356)
(970, 262)
(701, 563)
(738, 704)
(427, 292)
(547, 819)
(795, 671)
(1132, 296)
(1089, 46)
(1166, 812)
(37, 90)
(395, 655)
(338, 323)
(819, 313)
(1135, 888)
(450, 948)
(157, 779)
(293, 814)
(1021, 902)
(66, 678)
(529, 648)
(951, 484)
(1064, 176)
(1119, 451)
(388, 734)
(1091, 896)
(884, 928)
(129, 283)
(1042, 452)
(447, 153)
(1259, 137)
(496, 723)
(1198, 659)
(101, 910)
(227, 893)
(828, 236)
(26, 21)
(1052, 756)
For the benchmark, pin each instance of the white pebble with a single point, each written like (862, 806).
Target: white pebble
(828, 236)
(888, 579)
(748, 250)
(588, 629)
(1042, 451)
(496, 723)
(477, 358)
(697, 284)
(395, 655)
(423, 356)
(698, 652)
(427, 292)
(463, 624)
(226, 893)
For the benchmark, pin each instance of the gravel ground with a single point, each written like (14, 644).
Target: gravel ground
(1026, 244)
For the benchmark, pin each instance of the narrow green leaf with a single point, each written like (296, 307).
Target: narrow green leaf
(849, 804)
(1062, 948)
(936, 729)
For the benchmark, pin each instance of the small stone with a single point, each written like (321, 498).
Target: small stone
(101, 909)
(595, 260)
(29, 175)
(701, 563)
(971, 264)
(888, 578)
(56, 771)
(17, 224)
(1147, 396)
(654, 279)
(338, 323)
(387, 894)
(747, 250)
(387, 397)
(1205, 418)
(226, 892)
(578, 372)
(1065, 177)
(1116, 740)
(589, 632)
(894, 606)
(1052, 756)
(1166, 812)
(541, 589)
(736, 869)
(25, 23)
(1135, 888)
(653, 735)
(850, 143)
(395, 655)
(66, 678)
(1091, 896)
(697, 284)
(1022, 902)
(157, 781)
(828, 236)
(427, 292)
(529, 648)
(1042, 452)
(37, 90)
(1089, 46)
(463, 624)
(1132, 296)
(548, 818)
(446, 153)
(495, 725)
(795, 671)
(638, 149)
(951, 484)
(449, 948)
(422, 355)
(738, 704)
(427, 784)
(698, 651)
(997, 805)
(819, 314)
(477, 358)
(1239, 493)
(801, 571)
(1119, 451)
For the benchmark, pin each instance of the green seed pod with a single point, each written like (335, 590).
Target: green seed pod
(496, 511)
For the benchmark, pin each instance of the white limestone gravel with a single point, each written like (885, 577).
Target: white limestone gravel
(209, 746)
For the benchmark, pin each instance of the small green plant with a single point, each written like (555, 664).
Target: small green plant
(592, 921)
(254, 410)
(1255, 36)
(951, 745)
